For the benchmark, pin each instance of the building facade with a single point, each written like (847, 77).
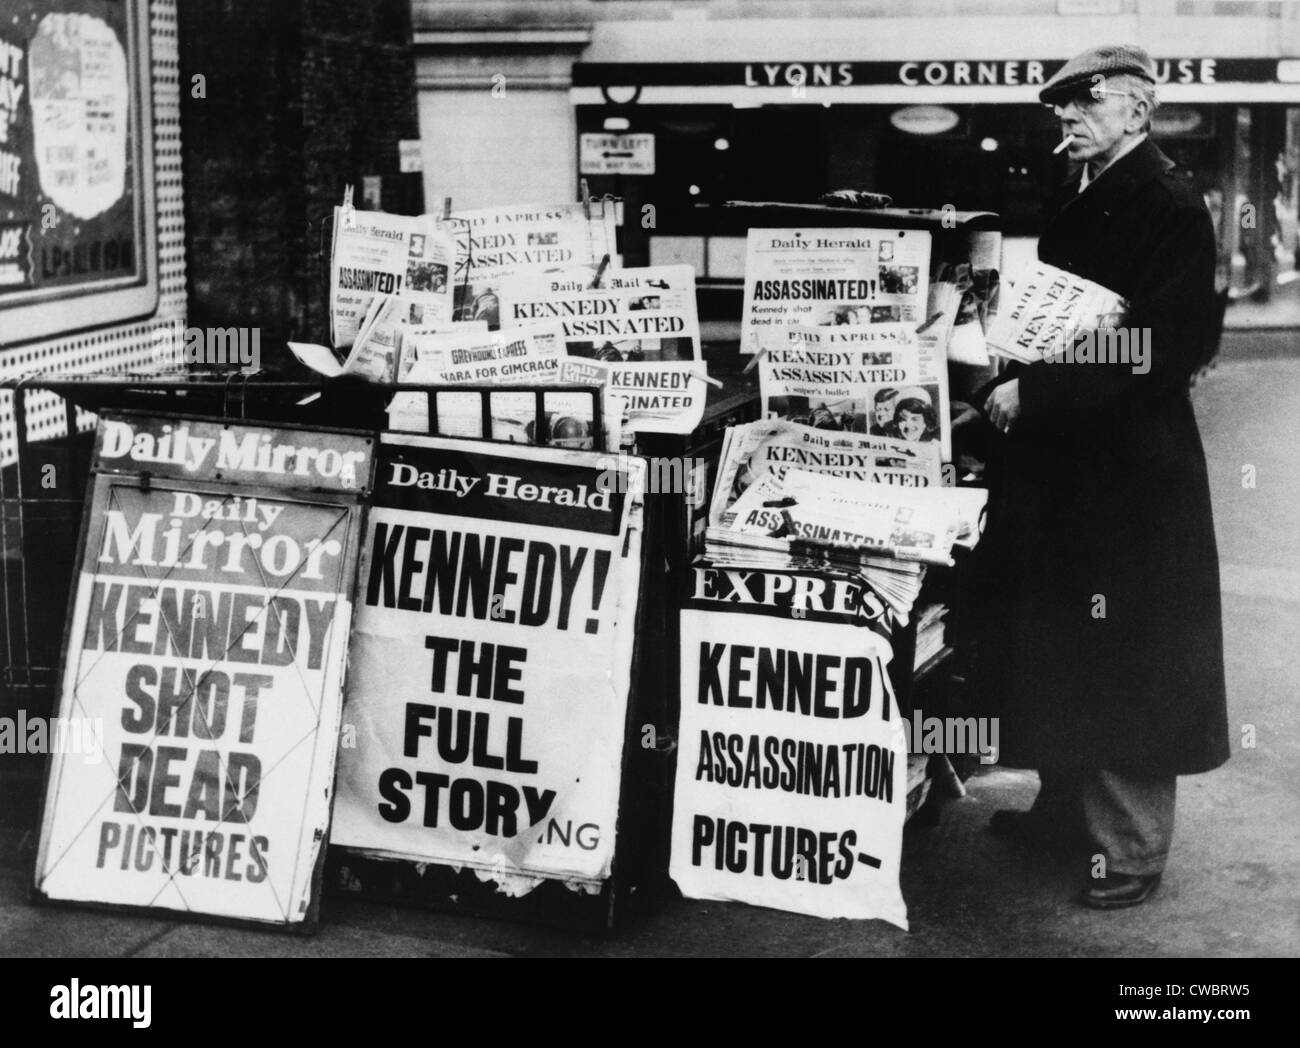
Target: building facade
(672, 103)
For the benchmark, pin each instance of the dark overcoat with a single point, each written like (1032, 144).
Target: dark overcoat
(1096, 610)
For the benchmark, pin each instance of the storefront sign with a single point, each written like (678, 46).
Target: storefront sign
(920, 72)
(207, 644)
(792, 756)
(491, 660)
(617, 154)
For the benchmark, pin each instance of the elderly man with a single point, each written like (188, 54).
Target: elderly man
(1097, 632)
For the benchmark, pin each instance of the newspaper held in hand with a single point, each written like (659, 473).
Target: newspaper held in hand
(1046, 309)
(375, 253)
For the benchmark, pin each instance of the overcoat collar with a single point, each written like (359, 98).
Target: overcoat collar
(1118, 182)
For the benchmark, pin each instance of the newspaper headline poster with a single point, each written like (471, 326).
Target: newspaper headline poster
(206, 645)
(642, 322)
(491, 661)
(831, 276)
(494, 244)
(862, 378)
(375, 253)
(791, 785)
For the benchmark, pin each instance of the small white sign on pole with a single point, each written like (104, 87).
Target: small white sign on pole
(617, 154)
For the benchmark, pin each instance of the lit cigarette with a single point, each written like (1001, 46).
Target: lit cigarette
(707, 378)
(1065, 144)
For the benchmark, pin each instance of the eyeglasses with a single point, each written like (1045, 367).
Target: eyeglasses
(1084, 97)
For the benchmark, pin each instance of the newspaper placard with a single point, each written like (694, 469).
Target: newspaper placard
(490, 661)
(831, 276)
(1046, 309)
(206, 645)
(753, 449)
(792, 761)
(375, 253)
(494, 244)
(864, 378)
(641, 322)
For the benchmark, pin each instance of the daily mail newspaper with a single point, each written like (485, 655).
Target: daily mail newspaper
(865, 378)
(831, 276)
(495, 244)
(1046, 309)
(641, 322)
(375, 253)
(751, 450)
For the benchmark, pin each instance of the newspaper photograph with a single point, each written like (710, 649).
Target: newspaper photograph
(641, 322)
(828, 277)
(865, 378)
(375, 253)
(494, 244)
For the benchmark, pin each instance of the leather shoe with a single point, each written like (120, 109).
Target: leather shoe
(1119, 890)
(1033, 829)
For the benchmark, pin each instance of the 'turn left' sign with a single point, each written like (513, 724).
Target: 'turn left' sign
(208, 638)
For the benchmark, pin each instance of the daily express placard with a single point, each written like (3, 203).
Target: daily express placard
(491, 658)
(792, 761)
(207, 638)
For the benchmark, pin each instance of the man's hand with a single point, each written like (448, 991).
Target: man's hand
(1003, 405)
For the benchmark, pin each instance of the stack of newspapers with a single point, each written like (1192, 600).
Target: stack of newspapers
(789, 496)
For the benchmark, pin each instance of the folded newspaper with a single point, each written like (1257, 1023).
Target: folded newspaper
(886, 532)
(751, 450)
(1046, 309)
(375, 253)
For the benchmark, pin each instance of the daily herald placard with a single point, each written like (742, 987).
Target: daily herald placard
(207, 640)
(490, 661)
(792, 762)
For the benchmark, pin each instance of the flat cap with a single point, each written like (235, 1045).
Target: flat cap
(1107, 60)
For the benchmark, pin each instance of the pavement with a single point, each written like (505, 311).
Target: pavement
(1230, 889)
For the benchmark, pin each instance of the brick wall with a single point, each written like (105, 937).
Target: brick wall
(302, 98)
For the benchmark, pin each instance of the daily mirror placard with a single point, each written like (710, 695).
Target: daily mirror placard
(490, 660)
(792, 762)
(206, 643)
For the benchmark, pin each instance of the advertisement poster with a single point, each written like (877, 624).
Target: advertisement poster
(791, 787)
(491, 659)
(206, 646)
(642, 322)
(70, 207)
(826, 277)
